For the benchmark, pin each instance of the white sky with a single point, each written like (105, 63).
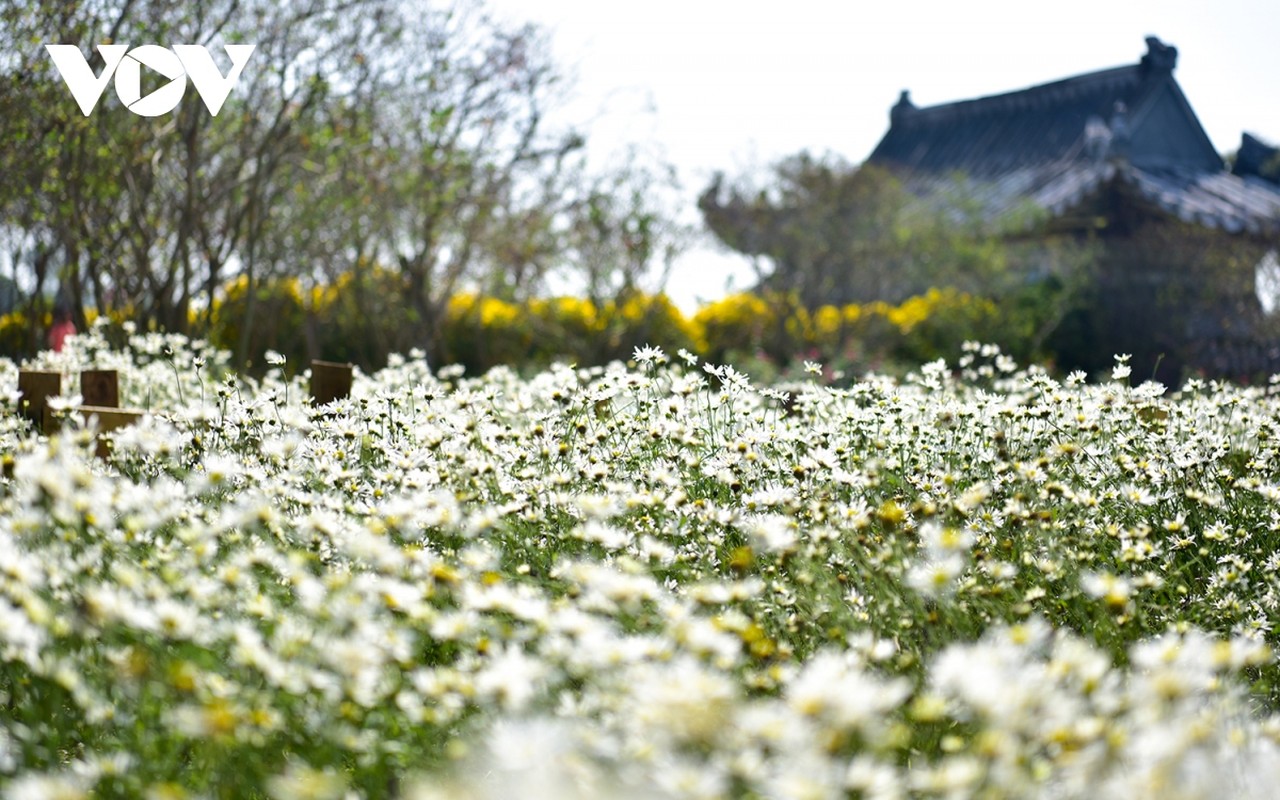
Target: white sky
(733, 85)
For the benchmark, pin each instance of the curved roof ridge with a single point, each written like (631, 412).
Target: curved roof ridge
(1043, 94)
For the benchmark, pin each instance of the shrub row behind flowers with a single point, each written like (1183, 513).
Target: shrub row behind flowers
(484, 332)
(19, 337)
(658, 581)
(775, 329)
(363, 321)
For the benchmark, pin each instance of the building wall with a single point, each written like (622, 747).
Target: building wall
(1179, 298)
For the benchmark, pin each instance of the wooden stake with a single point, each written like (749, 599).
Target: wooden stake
(329, 382)
(100, 387)
(109, 419)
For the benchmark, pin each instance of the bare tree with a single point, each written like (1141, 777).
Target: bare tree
(397, 149)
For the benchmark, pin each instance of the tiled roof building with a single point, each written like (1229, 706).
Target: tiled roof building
(1118, 156)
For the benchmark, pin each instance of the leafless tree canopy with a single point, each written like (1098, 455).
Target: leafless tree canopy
(363, 135)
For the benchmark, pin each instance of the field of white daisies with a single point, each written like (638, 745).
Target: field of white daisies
(647, 581)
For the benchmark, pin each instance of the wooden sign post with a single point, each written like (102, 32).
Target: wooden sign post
(100, 387)
(329, 382)
(109, 419)
(37, 386)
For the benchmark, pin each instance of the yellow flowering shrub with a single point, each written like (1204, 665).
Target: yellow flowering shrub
(561, 324)
(933, 325)
(363, 315)
(828, 322)
(776, 329)
(913, 311)
(19, 339)
(16, 337)
(738, 323)
(277, 320)
(481, 332)
(576, 314)
(653, 319)
(798, 325)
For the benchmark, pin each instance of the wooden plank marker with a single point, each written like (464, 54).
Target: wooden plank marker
(37, 386)
(100, 388)
(109, 419)
(329, 382)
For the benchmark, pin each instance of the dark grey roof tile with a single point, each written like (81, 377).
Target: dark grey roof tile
(1056, 144)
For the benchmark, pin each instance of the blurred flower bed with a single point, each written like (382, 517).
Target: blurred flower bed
(656, 580)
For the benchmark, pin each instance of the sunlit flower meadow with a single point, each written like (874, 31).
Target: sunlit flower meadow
(646, 581)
